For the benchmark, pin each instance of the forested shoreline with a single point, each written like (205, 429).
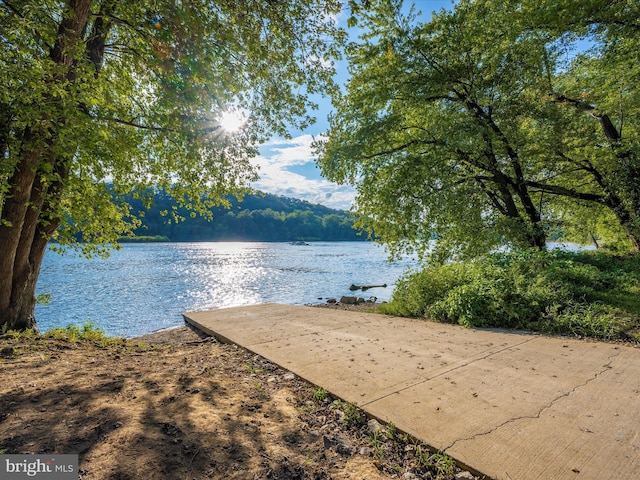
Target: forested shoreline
(257, 217)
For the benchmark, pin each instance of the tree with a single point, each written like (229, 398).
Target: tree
(455, 130)
(135, 93)
(597, 94)
(422, 132)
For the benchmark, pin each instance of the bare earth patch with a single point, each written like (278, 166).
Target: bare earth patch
(183, 407)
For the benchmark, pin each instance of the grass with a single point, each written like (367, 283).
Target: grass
(86, 335)
(587, 294)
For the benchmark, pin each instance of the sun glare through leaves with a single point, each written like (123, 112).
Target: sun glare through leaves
(232, 121)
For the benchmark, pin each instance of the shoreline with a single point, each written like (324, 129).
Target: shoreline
(365, 306)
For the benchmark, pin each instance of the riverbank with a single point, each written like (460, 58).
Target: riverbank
(175, 405)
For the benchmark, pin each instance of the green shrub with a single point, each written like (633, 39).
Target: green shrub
(588, 294)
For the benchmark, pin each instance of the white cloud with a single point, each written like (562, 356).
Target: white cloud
(274, 162)
(294, 151)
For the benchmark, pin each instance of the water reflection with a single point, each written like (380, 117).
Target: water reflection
(145, 287)
(228, 275)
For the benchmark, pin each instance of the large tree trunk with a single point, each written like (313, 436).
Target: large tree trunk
(530, 223)
(13, 232)
(19, 314)
(29, 209)
(39, 223)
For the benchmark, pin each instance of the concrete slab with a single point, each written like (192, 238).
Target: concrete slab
(509, 405)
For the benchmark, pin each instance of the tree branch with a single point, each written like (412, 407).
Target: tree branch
(493, 198)
(566, 192)
(135, 125)
(96, 43)
(399, 148)
(609, 130)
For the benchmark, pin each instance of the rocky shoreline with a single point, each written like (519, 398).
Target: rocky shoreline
(353, 303)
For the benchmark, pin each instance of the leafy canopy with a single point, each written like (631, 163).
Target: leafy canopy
(143, 108)
(484, 127)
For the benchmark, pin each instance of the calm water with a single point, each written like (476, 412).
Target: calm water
(146, 287)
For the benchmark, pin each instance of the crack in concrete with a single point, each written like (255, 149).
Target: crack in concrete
(607, 366)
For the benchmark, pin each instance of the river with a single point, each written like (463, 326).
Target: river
(146, 287)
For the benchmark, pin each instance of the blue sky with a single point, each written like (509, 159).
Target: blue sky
(287, 167)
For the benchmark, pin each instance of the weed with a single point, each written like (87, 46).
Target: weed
(423, 456)
(139, 347)
(391, 431)
(377, 445)
(18, 334)
(442, 464)
(43, 299)
(353, 416)
(87, 334)
(253, 370)
(319, 394)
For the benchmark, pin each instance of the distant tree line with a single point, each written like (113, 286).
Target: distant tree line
(258, 217)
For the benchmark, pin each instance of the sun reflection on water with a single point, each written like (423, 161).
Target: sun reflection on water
(229, 275)
(145, 287)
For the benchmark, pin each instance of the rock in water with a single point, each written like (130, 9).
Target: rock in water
(354, 287)
(348, 300)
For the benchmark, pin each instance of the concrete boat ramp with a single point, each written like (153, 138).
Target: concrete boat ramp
(511, 406)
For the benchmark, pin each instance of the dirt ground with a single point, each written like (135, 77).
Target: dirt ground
(183, 407)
